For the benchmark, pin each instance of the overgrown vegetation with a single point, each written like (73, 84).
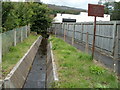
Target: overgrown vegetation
(77, 70)
(16, 14)
(15, 54)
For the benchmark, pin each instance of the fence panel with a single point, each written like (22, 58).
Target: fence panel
(118, 28)
(105, 34)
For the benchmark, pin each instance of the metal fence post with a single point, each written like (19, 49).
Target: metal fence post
(14, 37)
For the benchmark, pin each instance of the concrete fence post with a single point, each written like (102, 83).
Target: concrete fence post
(55, 30)
(73, 36)
(0, 49)
(115, 46)
(63, 29)
(86, 47)
(26, 30)
(15, 37)
(21, 34)
(82, 33)
(64, 33)
(67, 30)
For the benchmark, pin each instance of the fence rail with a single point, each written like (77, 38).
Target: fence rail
(12, 37)
(107, 35)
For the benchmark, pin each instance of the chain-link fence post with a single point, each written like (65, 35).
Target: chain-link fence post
(21, 34)
(0, 48)
(26, 31)
(14, 37)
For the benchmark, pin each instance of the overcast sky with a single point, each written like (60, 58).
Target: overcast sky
(72, 3)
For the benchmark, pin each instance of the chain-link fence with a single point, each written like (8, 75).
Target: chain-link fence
(12, 37)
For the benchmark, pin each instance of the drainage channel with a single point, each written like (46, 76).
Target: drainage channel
(37, 75)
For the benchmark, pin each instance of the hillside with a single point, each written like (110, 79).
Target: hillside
(65, 9)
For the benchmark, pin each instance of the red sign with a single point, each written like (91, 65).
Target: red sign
(95, 10)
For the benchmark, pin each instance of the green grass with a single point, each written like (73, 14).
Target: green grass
(77, 70)
(15, 54)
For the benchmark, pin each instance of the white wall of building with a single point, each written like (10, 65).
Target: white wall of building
(82, 17)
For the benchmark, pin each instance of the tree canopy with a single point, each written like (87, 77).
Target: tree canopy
(116, 12)
(16, 14)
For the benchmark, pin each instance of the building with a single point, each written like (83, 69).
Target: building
(82, 17)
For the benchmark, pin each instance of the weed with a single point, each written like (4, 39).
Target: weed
(12, 49)
(84, 56)
(96, 70)
(98, 85)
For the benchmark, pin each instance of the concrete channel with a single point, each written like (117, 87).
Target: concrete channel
(36, 69)
(37, 75)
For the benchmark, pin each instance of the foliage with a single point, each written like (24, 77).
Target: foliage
(40, 19)
(108, 7)
(16, 14)
(116, 12)
(96, 70)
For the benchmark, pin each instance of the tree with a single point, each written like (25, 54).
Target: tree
(41, 18)
(116, 12)
(16, 14)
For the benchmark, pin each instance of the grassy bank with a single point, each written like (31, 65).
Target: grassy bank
(15, 54)
(77, 70)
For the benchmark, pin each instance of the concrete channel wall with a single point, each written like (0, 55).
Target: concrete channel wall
(52, 75)
(16, 78)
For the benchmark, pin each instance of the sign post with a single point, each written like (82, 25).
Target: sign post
(96, 11)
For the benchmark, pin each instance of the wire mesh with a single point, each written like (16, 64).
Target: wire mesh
(7, 40)
(11, 37)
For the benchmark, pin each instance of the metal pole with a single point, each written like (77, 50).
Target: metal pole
(93, 47)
